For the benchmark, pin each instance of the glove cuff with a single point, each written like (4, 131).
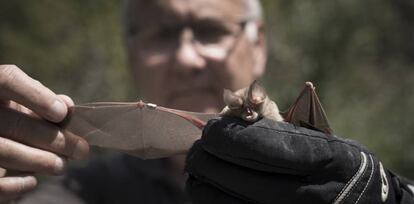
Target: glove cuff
(374, 184)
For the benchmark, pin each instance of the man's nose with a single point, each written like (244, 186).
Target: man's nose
(187, 55)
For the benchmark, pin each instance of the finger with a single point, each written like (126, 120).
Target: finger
(20, 157)
(2, 172)
(251, 184)
(17, 86)
(13, 187)
(15, 106)
(41, 134)
(67, 100)
(267, 146)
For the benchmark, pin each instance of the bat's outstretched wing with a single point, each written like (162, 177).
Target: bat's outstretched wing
(308, 112)
(143, 130)
(150, 131)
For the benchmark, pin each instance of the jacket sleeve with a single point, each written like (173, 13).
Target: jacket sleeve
(404, 189)
(51, 192)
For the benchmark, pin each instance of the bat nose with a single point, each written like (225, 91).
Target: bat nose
(249, 111)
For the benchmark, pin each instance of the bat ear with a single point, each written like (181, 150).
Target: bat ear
(232, 100)
(256, 93)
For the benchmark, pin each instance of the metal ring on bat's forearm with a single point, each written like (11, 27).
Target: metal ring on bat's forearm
(152, 106)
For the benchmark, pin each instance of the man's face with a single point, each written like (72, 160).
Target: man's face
(184, 52)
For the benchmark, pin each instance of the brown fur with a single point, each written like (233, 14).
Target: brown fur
(250, 104)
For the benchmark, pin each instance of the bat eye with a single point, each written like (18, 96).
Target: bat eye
(237, 103)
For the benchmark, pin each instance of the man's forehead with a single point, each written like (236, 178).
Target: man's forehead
(143, 12)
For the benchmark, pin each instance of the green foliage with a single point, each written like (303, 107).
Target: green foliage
(74, 47)
(359, 54)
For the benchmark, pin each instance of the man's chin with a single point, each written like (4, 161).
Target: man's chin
(198, 102)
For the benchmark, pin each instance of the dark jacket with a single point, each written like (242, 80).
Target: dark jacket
(121, 179)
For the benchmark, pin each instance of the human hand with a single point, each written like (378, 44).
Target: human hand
(30, 142)
(273, 162)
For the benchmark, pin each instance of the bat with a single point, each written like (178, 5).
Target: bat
(250, 104)
(149, 131)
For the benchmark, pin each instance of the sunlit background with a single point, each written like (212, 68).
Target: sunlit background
(359, 54)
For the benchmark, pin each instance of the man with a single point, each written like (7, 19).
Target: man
(182, 54)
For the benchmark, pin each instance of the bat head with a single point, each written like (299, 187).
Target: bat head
(232, 99)
(246, 103)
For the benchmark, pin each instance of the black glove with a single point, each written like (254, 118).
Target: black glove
(273, 162)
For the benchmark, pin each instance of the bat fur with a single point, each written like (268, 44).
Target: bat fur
(250, 104)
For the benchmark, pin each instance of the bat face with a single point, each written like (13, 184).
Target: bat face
(250, 104)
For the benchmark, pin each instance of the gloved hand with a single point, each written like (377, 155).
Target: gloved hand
(273, 162)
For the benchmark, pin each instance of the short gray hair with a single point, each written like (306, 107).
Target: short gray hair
(255, 11)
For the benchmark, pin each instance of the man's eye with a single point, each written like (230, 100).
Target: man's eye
(169, 34)
(210, 33)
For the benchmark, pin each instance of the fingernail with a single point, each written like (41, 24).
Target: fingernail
(29, 182)
(60, 165)
(57, 111)
(2, 172)
(81, 150)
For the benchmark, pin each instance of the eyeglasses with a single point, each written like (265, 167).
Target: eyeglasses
(210, 39)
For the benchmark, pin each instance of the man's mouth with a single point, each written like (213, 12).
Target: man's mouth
(195, 99)
(193, 92)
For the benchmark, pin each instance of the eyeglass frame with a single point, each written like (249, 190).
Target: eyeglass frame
(243, 26)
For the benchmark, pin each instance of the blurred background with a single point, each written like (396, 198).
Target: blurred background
(359, 54)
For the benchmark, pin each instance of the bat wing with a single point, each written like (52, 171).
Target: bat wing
(143, 130)
(308, 112)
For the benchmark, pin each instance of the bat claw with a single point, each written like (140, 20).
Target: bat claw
(309, 84)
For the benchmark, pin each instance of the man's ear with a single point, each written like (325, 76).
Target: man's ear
(256, 34)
